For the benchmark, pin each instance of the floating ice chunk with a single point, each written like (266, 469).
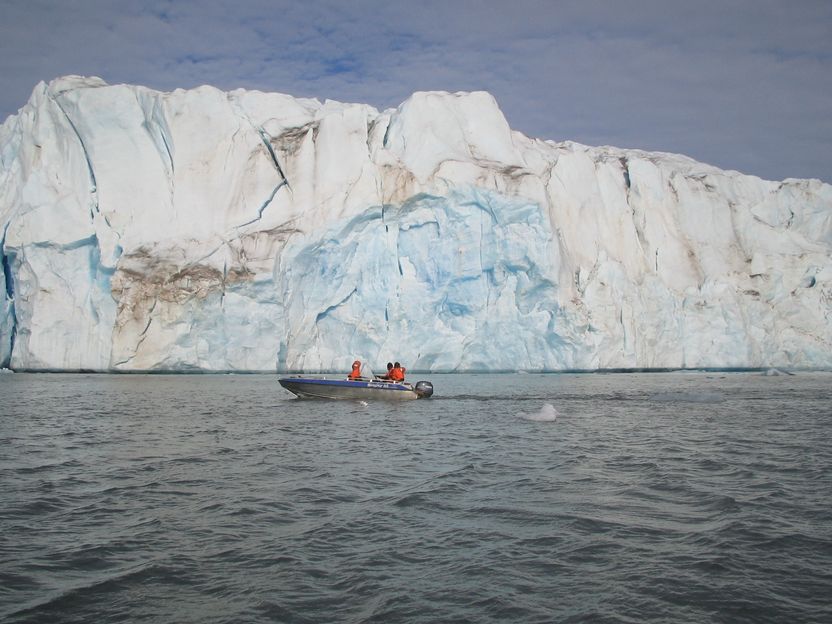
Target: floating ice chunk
(547, 413)
(775, 372)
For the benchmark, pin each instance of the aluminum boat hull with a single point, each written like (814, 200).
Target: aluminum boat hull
(319, 388)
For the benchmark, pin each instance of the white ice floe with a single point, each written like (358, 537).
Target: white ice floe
(775, 372)
(547, 413)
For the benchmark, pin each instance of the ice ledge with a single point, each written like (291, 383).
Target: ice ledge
(68, 83)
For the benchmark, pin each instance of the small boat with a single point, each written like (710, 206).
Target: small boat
(322, 388)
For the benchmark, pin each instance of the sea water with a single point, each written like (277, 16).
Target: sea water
(663, 497)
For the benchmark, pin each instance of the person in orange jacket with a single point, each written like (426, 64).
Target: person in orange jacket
(355, 373)
(397, 372)
(387, 374)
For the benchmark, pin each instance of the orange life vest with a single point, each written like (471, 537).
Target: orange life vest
(355, 373)
(397, 374)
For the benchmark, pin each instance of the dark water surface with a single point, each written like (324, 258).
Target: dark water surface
(665, 497)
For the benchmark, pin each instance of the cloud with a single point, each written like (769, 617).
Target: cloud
(743, 85)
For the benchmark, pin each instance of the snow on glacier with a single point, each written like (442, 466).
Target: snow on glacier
(203, 230)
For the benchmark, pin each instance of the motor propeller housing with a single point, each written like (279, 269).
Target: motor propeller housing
(424, 389)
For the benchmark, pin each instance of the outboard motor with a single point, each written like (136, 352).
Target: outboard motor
(423, 388)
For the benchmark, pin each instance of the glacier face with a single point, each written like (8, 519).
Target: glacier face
(203, 230)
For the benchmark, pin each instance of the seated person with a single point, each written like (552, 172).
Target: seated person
(387, 374)
(355, 373)
(397, 373)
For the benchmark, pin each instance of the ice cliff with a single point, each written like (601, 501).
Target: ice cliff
(252, 231)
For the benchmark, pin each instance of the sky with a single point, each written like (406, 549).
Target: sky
(739, 84)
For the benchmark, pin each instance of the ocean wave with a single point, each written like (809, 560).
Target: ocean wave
(687, 397)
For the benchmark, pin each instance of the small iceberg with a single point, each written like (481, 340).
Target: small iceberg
(547, 413)
(775, 372)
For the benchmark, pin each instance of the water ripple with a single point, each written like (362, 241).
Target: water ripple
(528, 498)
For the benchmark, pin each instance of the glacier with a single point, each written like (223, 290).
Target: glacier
(202, 230)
